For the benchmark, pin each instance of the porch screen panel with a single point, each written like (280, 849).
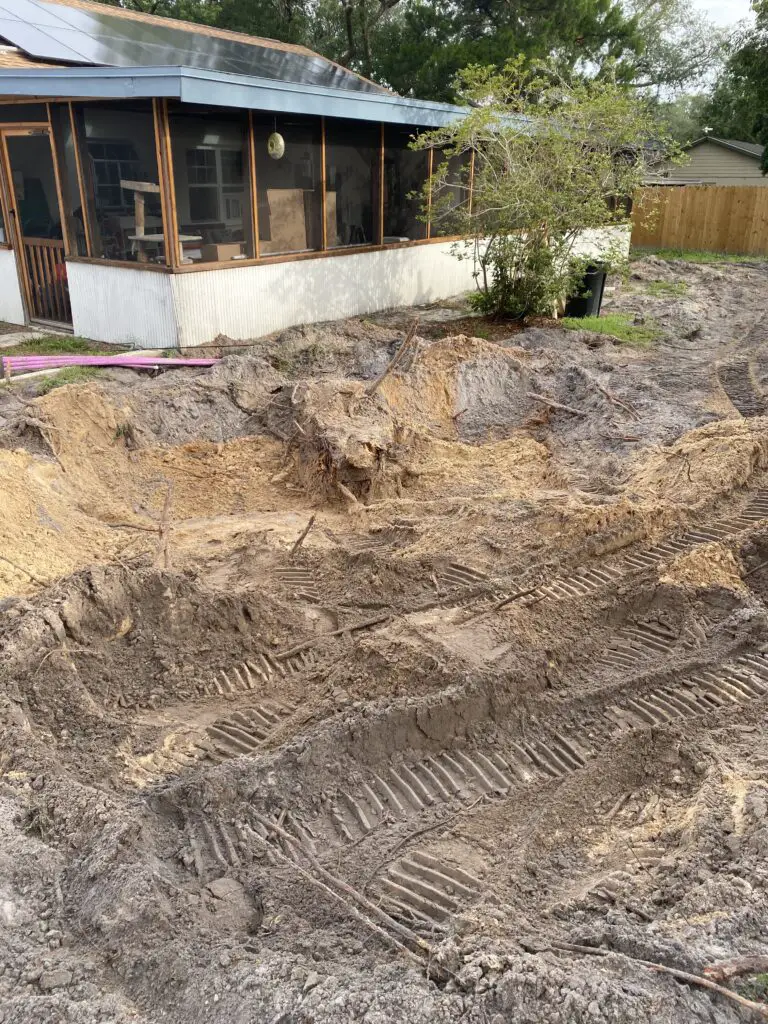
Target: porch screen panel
(119, 162)
(212, 182)
(289, 183)
(3, 233)
(64, 142)
(23, 113)
(405, 171)
(453, 194)
(352, 151)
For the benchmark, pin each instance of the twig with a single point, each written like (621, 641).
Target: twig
(131, 526)
(374, 386)
(302, 536)
(555, 405)
(612, 398)
(691, 979)
(35, 579)
(460, 413)
(353, 894)
(762, 565)
(371, 925)
(725, 969)
(163, 554)
(415, 835)
(352, 628)
(347, 493)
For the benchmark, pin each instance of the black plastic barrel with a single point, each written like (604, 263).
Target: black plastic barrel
(589, 297)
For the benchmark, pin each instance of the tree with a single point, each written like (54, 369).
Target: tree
(684, 116)
(553, 156)
(738, 107)
(680, 46)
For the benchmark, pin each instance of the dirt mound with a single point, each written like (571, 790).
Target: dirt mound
(440, 697)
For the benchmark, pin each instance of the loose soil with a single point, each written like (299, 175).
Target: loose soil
(332, 698)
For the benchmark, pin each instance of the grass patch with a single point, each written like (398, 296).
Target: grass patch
(618, 325)
(661, 288)
(697, 256)
(69, 375)
(60, 345)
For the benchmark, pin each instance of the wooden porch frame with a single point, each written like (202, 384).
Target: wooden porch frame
(164, 154)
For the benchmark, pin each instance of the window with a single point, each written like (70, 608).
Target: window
(119, 162)
(352, 152)
(288, 183)
(405, 171)
(3, 236)
(211, 178)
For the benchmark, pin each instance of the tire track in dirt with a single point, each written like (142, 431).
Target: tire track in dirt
(737, 380)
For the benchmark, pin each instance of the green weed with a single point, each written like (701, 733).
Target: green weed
(697, 256)
(69, 375)
(618, 325)
(661, 288)
(60, 345)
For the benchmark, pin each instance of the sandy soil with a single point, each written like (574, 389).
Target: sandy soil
(485, 745)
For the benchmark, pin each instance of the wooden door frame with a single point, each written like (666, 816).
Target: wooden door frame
(10, 207)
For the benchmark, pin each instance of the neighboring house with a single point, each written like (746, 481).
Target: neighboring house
(162, 182)
(714, 161)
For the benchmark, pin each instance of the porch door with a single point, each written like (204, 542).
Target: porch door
(36, 221)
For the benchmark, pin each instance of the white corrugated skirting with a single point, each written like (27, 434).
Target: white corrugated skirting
(11, 301)
(153, 310)
(122, 305)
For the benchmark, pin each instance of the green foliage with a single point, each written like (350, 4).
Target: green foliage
(684, 116)
(417, 46)
(738, 107)
(661, 288)
(59, 344)
(69, 375)
(553, 156)
(617, 325)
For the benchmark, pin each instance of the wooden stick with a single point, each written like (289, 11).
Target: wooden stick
(372, 926)
(693, 979)
(725, 969)
(555, 405)
(761, 565)
(612, 398)
(395, 359)
(353, 894)
(302, 536)
(35, 579)
(163, 554)
(353, 628)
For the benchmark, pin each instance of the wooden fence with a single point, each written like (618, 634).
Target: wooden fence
(712, 218)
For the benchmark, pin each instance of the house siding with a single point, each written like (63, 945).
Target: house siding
(713, 164)
(122, 305)
(11, 301)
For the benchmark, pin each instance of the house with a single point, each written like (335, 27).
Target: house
(163, 182)
(714, 161)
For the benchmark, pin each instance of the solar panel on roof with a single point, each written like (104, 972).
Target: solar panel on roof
(74, 35)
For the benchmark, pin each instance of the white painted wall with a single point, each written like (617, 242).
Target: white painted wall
(154, 310)
(11, 301)
(122, 306)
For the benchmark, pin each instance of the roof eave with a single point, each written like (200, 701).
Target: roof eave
(195, 85)
(724, 144)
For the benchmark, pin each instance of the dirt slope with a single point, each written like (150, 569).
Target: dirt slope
(506, 702)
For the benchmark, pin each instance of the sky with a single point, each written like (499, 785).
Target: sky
(724, 12)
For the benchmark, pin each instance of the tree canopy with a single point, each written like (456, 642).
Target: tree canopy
(417, 47)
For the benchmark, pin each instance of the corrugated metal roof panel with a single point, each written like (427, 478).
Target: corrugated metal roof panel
(93, 34)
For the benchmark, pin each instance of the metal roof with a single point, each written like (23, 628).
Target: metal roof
(214, 88)
(78, 32)
(754, 149)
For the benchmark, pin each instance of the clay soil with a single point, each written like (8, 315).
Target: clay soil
(486, 746)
